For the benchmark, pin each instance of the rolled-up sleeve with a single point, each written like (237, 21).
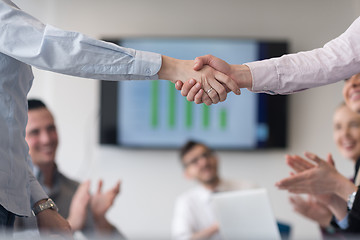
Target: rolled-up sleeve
(43, 46)
(337, 60)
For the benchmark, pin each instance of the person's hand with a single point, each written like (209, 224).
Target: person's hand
(51, 223)
(323, 178)
(298, 164)
(214, 83)
(78, 206)
(102, 201)
(239, 73)
(311, 209)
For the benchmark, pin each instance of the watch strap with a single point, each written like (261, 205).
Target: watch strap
(48, 204)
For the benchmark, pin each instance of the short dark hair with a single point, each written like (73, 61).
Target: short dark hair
(188, 146)
(35, 104)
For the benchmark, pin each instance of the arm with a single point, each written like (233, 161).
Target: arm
(49, 221)
(183, 226)
(206, 233)
(337, 60)
(30, 41)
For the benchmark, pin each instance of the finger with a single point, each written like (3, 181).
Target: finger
(330, 160)
(297, 163)
(314, 157)
(211, 91)
(193, 91)
(228, 82)
(100, 184)
(198, 96)
(187, 86)
(85, 186)
(206, 99)
(178, 85)
(221, 93)
(304, 164)
(116, 188)
(292, 182)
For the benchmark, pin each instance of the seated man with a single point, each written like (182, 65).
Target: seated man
(193, 217)
(84, 212)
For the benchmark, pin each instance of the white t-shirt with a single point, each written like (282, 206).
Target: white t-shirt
(193, 211)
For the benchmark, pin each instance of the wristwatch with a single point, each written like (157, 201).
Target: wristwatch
(48, 204)
(351, 200)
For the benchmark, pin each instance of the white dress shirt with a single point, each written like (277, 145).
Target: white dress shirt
(337, 60)
(25, 41)
(193, 212)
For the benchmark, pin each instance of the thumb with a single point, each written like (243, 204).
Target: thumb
(330, 160)
(178, 85)
(201, 61)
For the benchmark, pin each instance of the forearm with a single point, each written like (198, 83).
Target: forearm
(337, 60)
(173, 69)
(43, 46)
(206, 233)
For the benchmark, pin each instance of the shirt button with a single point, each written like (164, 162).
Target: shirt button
(148, 71)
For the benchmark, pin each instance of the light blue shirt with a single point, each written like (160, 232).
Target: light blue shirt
(344, 223)
(26, 42)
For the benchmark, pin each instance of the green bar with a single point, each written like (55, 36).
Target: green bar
(188, 115)
(223, 118)
(154, 104)
(206, 116)
(172, 102)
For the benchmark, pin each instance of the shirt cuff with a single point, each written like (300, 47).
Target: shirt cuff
(265, 77)
(343, 224)
(146, 64)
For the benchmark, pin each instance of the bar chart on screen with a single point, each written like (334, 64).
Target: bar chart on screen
(187, 115)
(160, 115)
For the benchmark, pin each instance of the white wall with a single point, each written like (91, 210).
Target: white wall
(153, 179)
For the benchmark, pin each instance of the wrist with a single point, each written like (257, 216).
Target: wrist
(344, 187)
(42, 205)
(242, 75)
(168, 70)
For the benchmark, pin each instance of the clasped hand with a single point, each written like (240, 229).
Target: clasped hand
(218, 79)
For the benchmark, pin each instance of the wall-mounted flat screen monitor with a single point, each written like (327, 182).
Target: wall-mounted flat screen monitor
(153, 114)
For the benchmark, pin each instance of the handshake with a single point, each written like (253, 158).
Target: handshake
(207, 79)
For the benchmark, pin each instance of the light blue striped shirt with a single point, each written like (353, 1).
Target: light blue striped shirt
(26, 42)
